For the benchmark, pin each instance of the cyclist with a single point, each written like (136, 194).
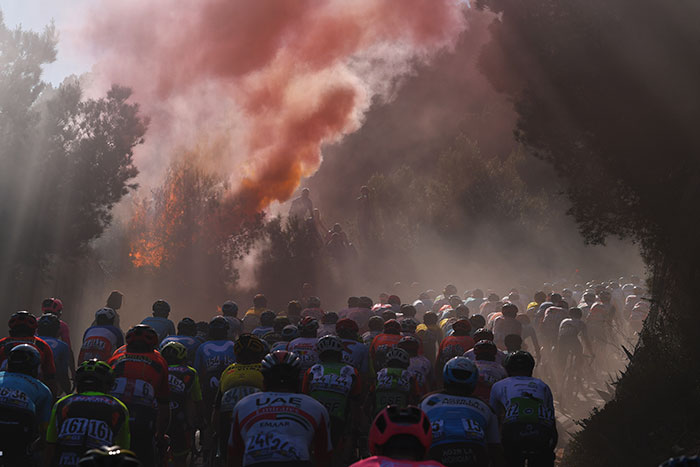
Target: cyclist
(336, 385)
(187, 336)
(267, 319)
(279, 426)
(251, 320)
(382, 343)
(456, 344)
(355, 353)
(25, 405)
(465, 430)
(22, 326)
(304, 346)
(430, 335)
(55, 307)
(88, 419)
(101, 340)
(568, 343)
(48, 329)
(185, 401)
(237, 381)
(229, 310)
(506, 324)
(490, 371)
(328, 322)
(526, 410)
(480, 335)
(159, 321)
(289, 333)
(399, 437)
(394, 384)
(313, 309)
(113, 456)
(374, 328)
(419, 365)
(141, 382)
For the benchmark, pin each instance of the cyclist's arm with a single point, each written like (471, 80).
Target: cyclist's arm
(51, 438)
(123, 438)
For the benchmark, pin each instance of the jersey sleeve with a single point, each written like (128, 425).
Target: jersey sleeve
(123, 438)
(235, 440)
(52, 429)
(163, 389)
(196, 391)
(305, 382)
(494, 400)
(48, 367)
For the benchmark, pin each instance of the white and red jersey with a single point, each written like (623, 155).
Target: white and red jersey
(305, 348)
(489, 374)
(100, 342)
(272, 427)
(381, 461)
(421, 369)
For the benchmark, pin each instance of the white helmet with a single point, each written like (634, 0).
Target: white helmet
(106, 313)
(399, 355)
(329, 344)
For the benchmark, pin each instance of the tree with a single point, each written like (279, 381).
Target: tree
(65, 162)
(606, 91)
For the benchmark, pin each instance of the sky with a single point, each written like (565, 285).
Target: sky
(36, 14)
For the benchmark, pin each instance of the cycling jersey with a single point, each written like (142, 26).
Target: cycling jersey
(84, 421)
(251, 319)
(100, 342)
(356, 354)
(421, 369)
(500, 356)
(524, 399)
(381, 461)
(315, 313)
(454, 346)
(25, 408)
(234, 327)
(460, 419)
(430, 337)
(502, 327)
(489, 374)
(279, 427)
(360, 316)
(210, 361)
(64, 333)
(62, 361)
(380, 345)
(369, 336)
(184, 387)
(394, 386)
(237, 381)
(140, 379)
(191, 344)
(332, 384)
(47, 369)
(305, 348)
(162, 326)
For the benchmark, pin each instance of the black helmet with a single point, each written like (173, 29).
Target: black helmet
(519, 361)
(218, 323)
(49, 325)
(109, 457)
(187, 327)
(229, 308)
(94, 373)
(161, 307)
(24, 358)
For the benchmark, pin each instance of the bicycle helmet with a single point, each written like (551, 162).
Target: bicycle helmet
(218, 323)
(375, 323)
(281, 368)
(394, 421)
(24, 358)
(187, 327)
(142, 334)
(229, 308)
(22, 319)
(410, 344)
(290, 332)
(682, 461)
(462, 372)
(109, 457)
(461, 327)
(346, 327)
(329, 344)
(52, 305)
(483, 334)
(267, 318)
(518, 362)
(308, 325)
(409, 325)
(392, 327)
(398, 356)
(174, 353)
(485, 350)
(94, 373)
(105, 314)
(250, 347)
(314, 302)
(161, 307)
(48, 325)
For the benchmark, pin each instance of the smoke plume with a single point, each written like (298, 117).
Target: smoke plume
(273, 80)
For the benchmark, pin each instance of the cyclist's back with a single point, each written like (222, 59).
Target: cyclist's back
(187, 336)
(395, 385)
(48, 330)
(159, 321)
(101, 340)
(305, 345)
(212, 358)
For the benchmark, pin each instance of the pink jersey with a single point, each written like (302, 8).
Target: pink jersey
(489, 374)
(381, 461)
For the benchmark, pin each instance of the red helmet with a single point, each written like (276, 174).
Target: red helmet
(392, 327)
(142, 333)
(462, 325)
(410, 344)
(346, 325)
(393, 421)
(23, 318)
(52, 305)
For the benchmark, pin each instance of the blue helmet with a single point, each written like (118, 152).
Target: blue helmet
(460, 371)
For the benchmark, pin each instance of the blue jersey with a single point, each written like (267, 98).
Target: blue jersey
(22, 393)
(62, 361)
(191, 344)
(163, 326)
(260, 331)
(459, 419)
(210, 361)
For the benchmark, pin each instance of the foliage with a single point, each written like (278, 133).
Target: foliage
(606, 91)
(64, 160)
